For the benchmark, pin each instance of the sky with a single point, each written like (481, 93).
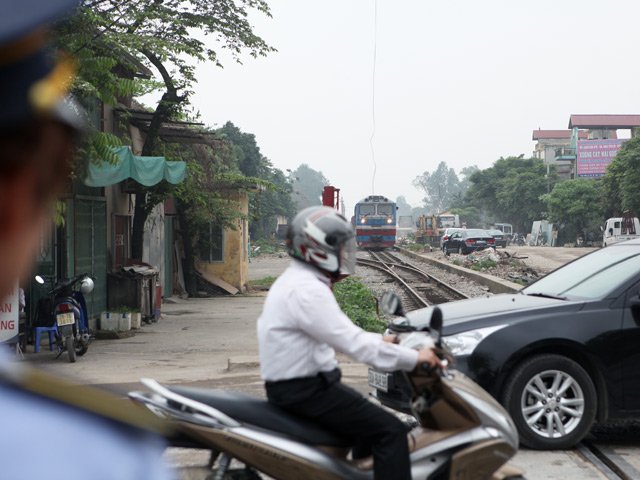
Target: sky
(463, 82)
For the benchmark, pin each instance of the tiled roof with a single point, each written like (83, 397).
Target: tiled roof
(555, 134)
(604, 121)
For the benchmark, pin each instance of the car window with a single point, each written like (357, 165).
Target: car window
(590, 277)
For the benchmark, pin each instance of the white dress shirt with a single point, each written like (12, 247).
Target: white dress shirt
(302, 325)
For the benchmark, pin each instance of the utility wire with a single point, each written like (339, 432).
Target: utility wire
(373, 95)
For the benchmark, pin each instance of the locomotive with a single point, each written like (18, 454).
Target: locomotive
(375, 222)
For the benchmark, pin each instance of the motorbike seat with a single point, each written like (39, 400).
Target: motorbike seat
(260, 413)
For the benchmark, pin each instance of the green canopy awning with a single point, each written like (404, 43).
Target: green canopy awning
(145, 170)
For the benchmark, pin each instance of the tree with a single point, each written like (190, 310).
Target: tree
(307, 186)
(465, 178)
(266, 205)
(575, 205)
(621, 183)
(438, 187)
(160, 35)
(510, 191)
(404, 209)
(249, 159)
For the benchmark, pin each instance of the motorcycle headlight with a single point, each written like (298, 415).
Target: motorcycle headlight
(464, 343)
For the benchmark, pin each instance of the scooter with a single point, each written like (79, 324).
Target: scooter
(463, 432)
(70, 314)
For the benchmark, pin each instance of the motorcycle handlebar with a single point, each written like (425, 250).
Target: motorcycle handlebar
(69, 282)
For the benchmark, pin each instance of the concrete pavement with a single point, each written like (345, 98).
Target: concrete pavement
(196, 341)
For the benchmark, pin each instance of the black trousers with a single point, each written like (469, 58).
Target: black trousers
(344, 411)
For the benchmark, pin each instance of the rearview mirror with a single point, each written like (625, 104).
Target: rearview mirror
(391, 304)
(435, 325)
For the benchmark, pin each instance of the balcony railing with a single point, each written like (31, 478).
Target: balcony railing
(565, 153)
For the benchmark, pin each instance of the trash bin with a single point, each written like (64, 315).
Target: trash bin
(134, 287)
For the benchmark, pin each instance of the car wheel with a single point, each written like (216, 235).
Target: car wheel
(460, 250)
(552, 401)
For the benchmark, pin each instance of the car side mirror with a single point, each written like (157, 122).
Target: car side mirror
(435, 325)
(391, 304)
(634, 304)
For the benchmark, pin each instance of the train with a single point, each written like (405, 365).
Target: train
(375, 221)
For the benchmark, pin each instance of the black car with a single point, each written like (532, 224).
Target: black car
(468, 240)
(501, 238)
(561, 353)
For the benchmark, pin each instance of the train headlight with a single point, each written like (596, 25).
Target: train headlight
(389, 220)
(363, 220)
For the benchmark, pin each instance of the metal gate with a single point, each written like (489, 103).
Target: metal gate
(169, 255)
(90, 252)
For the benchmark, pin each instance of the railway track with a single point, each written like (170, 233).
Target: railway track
(421, 288)
(608, 461)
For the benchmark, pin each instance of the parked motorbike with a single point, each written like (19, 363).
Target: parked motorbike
(69, 312)
(519, 240)
(463, 432)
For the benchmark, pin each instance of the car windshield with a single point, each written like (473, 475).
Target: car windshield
(496, 233)
(590, 277)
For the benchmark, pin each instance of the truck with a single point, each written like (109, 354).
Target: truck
(618, 229)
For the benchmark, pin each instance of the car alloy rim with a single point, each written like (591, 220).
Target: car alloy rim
(552, 404)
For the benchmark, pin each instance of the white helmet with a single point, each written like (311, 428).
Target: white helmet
(323, 238)
(86, 285)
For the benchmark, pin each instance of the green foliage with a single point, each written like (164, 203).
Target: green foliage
(118, 46)
(416, 247)
(484, 265)
(124, 309)
(59, 213)
(112, 39)
(273, 201)
(469, 215)
(620, 183)
(404, 209)
(266, 246)
(576, 206)
(443, 188)
(307, 186)
(357, 301)
(511, 191)
(265, 282)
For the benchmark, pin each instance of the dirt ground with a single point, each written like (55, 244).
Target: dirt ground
(521, 265)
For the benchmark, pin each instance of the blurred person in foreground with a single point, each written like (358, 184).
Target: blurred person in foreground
(302, 326)
(50, 428)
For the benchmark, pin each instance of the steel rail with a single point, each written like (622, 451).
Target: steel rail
(382, 266)
(412, 268)
(608, 462)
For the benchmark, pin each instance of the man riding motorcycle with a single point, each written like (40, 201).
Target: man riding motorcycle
(301, 327)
